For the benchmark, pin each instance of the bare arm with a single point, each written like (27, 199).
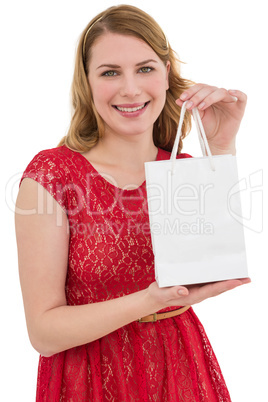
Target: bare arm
(43, 257)
(53, 326)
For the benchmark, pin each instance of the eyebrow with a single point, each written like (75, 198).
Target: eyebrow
(137, 65)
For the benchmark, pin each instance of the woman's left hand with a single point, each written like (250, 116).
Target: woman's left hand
(221, 111)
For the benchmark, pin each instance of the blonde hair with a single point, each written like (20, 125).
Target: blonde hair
(86, 125)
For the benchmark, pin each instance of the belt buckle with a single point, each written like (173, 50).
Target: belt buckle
(153, 320)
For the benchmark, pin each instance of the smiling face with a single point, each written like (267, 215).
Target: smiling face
(128, 83)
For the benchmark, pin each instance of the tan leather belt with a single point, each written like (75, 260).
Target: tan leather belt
(160, 316)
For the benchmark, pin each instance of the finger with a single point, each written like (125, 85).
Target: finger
(219, 95)
(241, 96)
(176, 291)
(206, 97)
(217, 288)
(244, 281)
(203, 96)
(192, 91)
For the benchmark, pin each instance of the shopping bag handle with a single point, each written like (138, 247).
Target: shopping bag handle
(201, 135)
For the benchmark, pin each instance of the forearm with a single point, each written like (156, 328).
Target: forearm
(65, 327)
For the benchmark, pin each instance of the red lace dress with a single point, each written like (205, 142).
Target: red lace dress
(110, 255)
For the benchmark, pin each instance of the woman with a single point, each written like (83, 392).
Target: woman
(81, 208)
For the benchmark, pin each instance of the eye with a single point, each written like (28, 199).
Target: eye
(146, 69)
(110, 73)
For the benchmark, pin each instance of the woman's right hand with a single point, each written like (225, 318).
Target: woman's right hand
(192, 294)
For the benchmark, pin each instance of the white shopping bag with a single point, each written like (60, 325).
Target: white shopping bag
(192, 205)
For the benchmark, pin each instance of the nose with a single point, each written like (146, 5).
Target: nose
(130, 87)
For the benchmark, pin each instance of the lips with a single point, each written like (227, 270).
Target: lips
(131, 108)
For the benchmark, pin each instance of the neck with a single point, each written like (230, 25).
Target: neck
(125, 153)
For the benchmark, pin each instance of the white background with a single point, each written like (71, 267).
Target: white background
(223, 44)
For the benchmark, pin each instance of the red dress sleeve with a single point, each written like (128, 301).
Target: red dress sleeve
(165, 155)
(184, 155)
(46, 168)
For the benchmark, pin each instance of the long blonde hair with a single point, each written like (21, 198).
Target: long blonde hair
(86, 125)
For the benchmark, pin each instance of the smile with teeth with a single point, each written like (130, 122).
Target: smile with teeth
(131, 109)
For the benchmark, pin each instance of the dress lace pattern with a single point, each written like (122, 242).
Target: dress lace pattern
(110, 255)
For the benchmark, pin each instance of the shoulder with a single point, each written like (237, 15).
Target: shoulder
(53, 154)
(48, 168)
(48, 164)
(164, 155)
(51, 160)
